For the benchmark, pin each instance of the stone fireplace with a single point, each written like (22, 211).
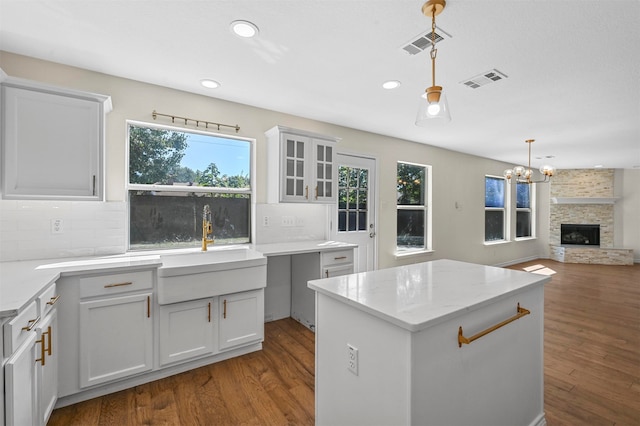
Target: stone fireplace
(582, 218)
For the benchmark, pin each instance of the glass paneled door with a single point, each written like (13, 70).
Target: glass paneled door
(355, 215)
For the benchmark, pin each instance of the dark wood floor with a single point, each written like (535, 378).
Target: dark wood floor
(592, 367)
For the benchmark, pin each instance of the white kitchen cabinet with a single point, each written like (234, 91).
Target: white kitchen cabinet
(241, 318)
(52, 142)
(116, 338)
(311, 266)
(47, 367)
(20, 383)
(302, 166)
(187, 330)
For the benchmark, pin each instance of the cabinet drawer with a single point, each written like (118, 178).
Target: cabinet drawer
(115, 283)
(17, 330)
(47, 300)
(337, 257)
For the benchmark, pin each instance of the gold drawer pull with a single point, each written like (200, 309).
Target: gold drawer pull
(224, 311)
(49, 346)
(340, 258)
(118, 284)
(467, 340)
(53, 300)
(30, 324)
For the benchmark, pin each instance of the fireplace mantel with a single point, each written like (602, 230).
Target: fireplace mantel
(584, 200)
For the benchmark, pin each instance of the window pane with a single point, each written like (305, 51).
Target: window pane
(320, 153)
(494, 192)
(410, 228)
(342, 221)
(342, 198)
(327, 189)
(320, 171)
(523, 224)
(167, 157)
(329, 154)
(411, 184)
(352, 221)
(166, 219)
(362, 221)
(523, 199)
(300, 149)
(364, 178)
(493, 225)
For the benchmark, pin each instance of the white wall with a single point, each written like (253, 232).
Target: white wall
(629, 205)
(458, 232)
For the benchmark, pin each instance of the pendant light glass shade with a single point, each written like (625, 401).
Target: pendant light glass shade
(433, 105)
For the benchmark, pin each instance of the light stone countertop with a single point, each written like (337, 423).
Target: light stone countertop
(297, 247)
(22, 281)
(422, 295)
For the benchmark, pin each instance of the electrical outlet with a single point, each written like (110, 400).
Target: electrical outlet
(57, 226)
(288, 221)
(352, 359)
(265, 220)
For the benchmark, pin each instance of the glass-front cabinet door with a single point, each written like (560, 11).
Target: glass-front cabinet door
(295, 165)
(324, 179)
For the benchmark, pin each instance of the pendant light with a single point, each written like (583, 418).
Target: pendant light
(520, 174)
(433, 104)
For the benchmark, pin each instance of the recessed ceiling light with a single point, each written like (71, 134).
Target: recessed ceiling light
(244, 29)
(598, 166)
(391, 84)
(210, 84)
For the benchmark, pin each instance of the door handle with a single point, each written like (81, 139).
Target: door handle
(372, 234)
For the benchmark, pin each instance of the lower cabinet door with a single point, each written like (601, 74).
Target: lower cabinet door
(116, 338)
(187, 330)
(20, 384)
(47, 368)
(241, 318)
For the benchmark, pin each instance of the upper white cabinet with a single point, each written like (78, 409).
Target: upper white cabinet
(52, 142)
(301, 166)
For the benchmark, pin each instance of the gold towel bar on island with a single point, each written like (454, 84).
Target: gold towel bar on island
(206, 124)
(467, 340)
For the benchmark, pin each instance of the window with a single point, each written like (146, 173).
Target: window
(494, 209)
(353, 190)
(173, 173)
(413, 208)
(524, 210)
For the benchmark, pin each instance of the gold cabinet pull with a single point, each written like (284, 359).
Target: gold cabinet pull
(49, 340)
(340, 258)
(306, 192)
(316, 192)
(42, 358)
(467, 340)
(30, 324)
(118, 284)
(326, 272)
(53, 300)
(209, 314)
(224, 310)
(148, 306)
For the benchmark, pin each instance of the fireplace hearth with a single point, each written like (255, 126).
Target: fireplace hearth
(585, 235)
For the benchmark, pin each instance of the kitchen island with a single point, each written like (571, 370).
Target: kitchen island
(434, 343)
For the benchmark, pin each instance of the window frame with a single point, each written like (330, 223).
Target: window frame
(192, 189)
(426, 207)
(531, 210)
(506, 216)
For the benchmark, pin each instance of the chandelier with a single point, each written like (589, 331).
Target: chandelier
(433, 104)
(520, 174)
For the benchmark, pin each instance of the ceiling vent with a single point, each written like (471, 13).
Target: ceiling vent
(485, 78)
(422, 42)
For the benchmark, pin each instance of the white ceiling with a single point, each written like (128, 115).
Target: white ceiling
(573, 66)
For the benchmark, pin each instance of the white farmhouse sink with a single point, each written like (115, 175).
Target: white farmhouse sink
(196, 274)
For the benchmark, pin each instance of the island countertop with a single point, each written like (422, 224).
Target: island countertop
(421, 295)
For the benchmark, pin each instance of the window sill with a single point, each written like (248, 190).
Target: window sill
(526, 238)
(494, 243)
(406, 253)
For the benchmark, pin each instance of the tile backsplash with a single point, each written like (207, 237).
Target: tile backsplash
(57, 229)
(289, 222)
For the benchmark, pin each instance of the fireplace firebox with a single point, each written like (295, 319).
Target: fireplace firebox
(586, 235)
